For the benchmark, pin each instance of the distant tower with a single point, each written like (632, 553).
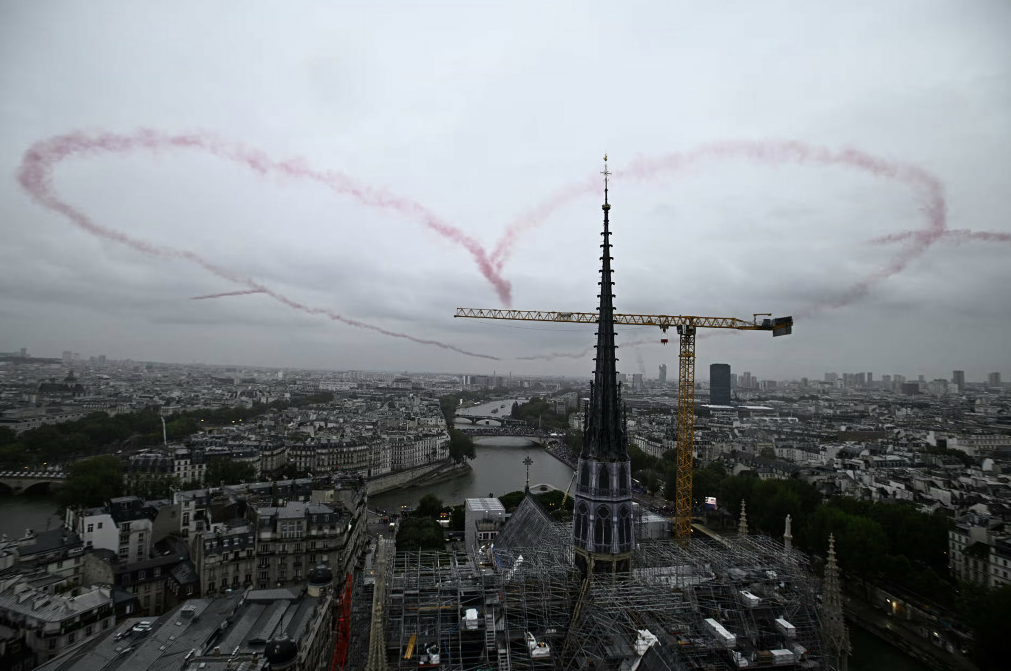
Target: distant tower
(719, 384)
(787, 537)
(832, 614)
(992, 380)
(663, 373)
(958, 378)
(742, 525)
(602, 531)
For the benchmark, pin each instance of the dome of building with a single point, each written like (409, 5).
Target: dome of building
(321, 576)
(281, 652)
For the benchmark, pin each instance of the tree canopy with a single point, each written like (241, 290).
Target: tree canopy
(539, 413)
(420, 533)
(226, 471)
(461, 446)
(92, 482)
(98, 431)
(430, 505)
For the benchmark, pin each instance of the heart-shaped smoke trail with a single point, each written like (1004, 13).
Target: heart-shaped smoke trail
(36, 177)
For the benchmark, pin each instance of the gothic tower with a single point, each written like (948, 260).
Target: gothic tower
(602, 530)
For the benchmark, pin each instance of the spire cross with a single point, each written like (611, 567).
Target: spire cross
(606, 173)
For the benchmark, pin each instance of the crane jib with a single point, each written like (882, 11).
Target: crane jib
(779, 326)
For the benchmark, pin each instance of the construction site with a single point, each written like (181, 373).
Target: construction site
(696, 604)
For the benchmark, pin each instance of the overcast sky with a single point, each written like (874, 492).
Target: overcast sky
(471, 116)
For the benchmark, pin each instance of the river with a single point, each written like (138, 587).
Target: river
(18, 513)
(497, 470)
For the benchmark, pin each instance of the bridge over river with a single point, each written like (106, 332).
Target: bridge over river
(31, 482)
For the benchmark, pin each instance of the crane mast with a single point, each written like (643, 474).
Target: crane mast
(686, 326)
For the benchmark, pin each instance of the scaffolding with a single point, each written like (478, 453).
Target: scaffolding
(696, 604)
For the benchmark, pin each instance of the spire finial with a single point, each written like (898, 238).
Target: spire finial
(606, 173)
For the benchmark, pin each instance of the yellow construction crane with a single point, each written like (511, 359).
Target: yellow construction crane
(686, 327)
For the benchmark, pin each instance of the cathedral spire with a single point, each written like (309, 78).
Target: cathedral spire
(832, 613)
(602, 530)
(742, 524)
(605, 430)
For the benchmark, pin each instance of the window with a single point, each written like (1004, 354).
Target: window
(582, 521)
(88, 630)
(51, 644)
(141, 575)
(602, 527)
(91, 528)
(264, 575)
(624, 526)
(100, 525)
(72, 637)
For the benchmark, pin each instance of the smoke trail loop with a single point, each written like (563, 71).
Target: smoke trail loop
(36, 177)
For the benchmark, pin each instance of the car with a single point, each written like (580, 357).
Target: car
(143, 625)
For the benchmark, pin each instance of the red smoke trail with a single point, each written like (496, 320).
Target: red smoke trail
(40, 159)
(551, 356)
(956, 236)
(926, 186)
(36, 177)
(244, 292)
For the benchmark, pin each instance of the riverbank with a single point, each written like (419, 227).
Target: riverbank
(563, 454)
(428, 474)
(903, 636)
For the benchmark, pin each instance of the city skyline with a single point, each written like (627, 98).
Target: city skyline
(82, 361)
(756, 181)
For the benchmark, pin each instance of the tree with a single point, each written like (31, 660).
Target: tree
(430, 505)
(420, 533)
(92, 482)
(767, 453)
(458, 518)
(225, 471)
(989, 611)
(153, 487)
(7, 435)
(511, 500)
(461, 446)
